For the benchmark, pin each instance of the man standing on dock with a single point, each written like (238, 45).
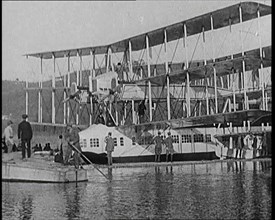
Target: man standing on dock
(109, 147)
(25, 134)
(8, 136)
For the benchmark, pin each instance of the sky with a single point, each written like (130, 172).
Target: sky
(39, 26)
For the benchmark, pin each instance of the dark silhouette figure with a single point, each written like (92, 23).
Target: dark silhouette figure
(25, 134)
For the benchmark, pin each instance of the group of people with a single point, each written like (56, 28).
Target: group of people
(168, 142)
(38, 147)
(158, 140)
(69, 151)
(257, 143)
(24, 133)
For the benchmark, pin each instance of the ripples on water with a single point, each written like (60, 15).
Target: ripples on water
(218, 190)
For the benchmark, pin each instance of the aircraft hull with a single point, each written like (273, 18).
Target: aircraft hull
(102, 159)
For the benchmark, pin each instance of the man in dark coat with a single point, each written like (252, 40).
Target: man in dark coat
(141, 111)
(25, 134)
(110, 145)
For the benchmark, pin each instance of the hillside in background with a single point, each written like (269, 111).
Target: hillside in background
(13, 98)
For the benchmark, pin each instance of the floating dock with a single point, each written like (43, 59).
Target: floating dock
(39, 168)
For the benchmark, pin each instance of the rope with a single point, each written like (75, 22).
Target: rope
(175, 50)
(195, 48)
(99, 66)
(158, 53)
(77, 150)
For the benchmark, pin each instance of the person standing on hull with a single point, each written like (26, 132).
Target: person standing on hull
(158, 148)
(110, 145)
(254, 146)
(248, 142)
(72, 139)
(264, 144)
(169, 147)
(240, 146)
(8, 136)
(67, 150)
(25, 134)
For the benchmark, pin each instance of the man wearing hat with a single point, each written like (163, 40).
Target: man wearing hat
(8, 136)
(110, 145)
(25, 134)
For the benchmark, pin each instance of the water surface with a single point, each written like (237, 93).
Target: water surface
(218, 190)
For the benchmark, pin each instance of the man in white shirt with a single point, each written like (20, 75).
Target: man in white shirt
(8, 135)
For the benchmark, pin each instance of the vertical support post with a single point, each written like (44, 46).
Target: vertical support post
(107, 56)
(243, 62)
(266, 102)
(213, 57)
(149, 75)
(232, 75)
(130, 59)
(205, 80)
(244, 126)
(234, 93)
(40, 92)
(261, 57)
(27, 97)
(94, 63)
(125, 112)
(53, 92)
(68, 86)
(133, 111)
(80, 84)
(230, 138)
(216, 92)
(183, 103)
(64, 97)
(248, 125)
(91, 89)
(167, 76)
(111, 59)
(109, 62)
(116, 114)
(91, 99)
(212, 37)
(80, 69)
(77, 84)
(187, 87)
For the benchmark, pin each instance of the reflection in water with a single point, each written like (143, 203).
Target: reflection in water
(110, 173)
(110, 194)
(163, 191)
(218, 190)
(26, 208)
(71, 193)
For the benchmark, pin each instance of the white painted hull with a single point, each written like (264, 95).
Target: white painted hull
(37, 169)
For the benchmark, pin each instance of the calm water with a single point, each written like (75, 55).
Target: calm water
(220, 190)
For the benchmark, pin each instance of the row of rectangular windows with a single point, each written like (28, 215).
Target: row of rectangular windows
(94, 142)
(186, 138)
